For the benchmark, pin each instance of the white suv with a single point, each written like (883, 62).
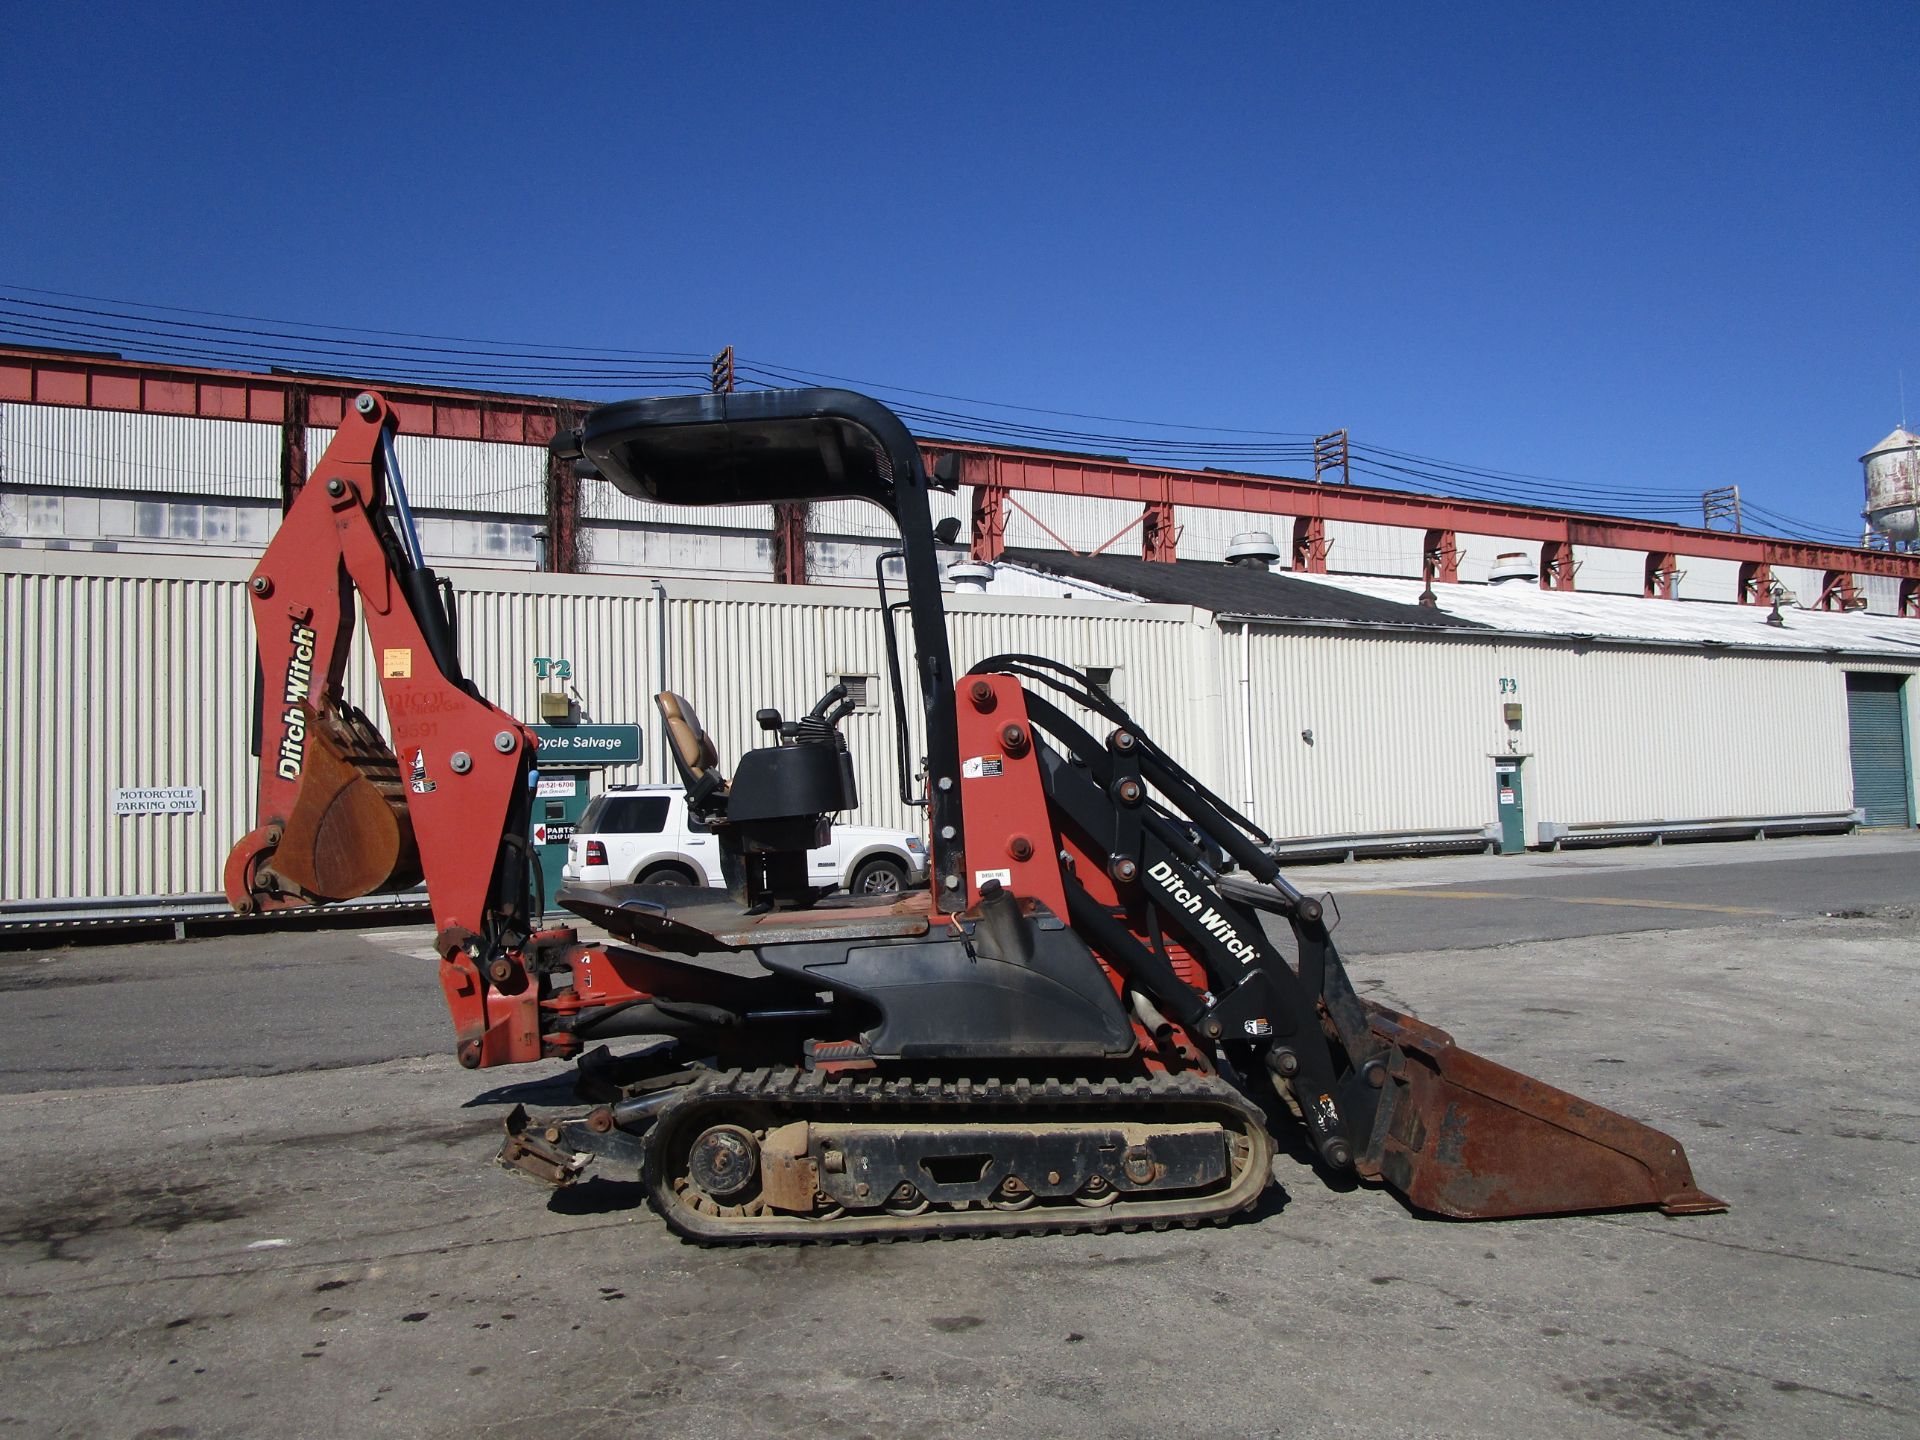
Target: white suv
(642, 834)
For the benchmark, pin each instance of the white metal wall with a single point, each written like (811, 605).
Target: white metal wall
(136, 672)
(1392, 728)
(72, 448)
(490, 497)
(1803, 586)
(1703, 578)
(862, 519)
(1611, 571)
(1206, 534)
(128, 672)
(482, 477)
(1629, 736)
(1405, 730)
(1368, 549)
(135, 520)
(1882, 592)
(602, 501)
(1478, 553)
(1085, 522)
(119, 680)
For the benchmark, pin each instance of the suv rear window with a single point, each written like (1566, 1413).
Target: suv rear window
(612, 814)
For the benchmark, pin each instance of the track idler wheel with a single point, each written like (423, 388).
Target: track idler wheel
(724, 1162)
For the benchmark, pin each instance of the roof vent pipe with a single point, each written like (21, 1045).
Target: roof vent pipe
(1253, 549)
(969, 578)
(1514, 565)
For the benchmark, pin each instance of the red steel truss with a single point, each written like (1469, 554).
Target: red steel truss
(100, 382)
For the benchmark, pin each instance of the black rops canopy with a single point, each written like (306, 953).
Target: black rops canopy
(760, 447)
(751, 448)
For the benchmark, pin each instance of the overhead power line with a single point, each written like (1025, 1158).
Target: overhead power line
(224, 339)
(1034, 409)
(312, 325)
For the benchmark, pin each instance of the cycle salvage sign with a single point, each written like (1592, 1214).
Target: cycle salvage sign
(172, 800)
(587, 744)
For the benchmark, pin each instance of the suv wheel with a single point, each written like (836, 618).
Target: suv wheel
(665, 875)
(879, 876)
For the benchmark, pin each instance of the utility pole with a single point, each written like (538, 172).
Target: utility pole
(1721, 504)
(1330, 454)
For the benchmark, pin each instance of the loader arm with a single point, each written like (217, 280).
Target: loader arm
(1376, 1091)
(341, 812)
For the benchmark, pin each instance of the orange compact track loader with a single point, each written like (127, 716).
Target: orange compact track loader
(1086, 1023)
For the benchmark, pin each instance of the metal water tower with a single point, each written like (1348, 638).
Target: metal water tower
(1893, 487)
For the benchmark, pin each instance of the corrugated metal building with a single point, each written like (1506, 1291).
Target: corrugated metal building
(1366, 706)
(1330, 711)
(136, 672)
(1336, 707)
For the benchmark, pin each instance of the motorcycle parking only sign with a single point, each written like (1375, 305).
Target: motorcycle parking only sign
(170, 800)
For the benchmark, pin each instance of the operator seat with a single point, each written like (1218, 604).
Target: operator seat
(694, 755)
(768, 823)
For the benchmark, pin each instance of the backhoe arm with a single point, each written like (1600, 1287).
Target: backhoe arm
(341, 812)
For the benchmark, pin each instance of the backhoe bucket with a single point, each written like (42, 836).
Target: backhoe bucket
(349, 832)
(1461, 1136)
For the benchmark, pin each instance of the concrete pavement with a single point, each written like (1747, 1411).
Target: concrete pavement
(328, 1252)
(268, 1002)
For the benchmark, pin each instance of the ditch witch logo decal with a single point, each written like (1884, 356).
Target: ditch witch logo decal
(293, 739)
(1211, 920)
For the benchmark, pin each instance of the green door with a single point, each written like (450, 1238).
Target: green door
(1510, 797)
(558, 803)
(1877, 745)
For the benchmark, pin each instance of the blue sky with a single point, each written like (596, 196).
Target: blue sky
(1633, 247)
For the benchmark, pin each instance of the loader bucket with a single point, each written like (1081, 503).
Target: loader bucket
(348, 833)
(1461, 1136)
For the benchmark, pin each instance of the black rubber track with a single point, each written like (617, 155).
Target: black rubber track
(784, 1095)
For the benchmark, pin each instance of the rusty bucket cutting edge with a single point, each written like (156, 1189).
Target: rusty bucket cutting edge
(1461, 1136)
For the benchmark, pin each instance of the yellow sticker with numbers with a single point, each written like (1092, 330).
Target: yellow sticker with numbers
(396, 664)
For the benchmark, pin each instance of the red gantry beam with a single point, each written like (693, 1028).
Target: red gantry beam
(1054, 473)
(103, 382)
(53, 377)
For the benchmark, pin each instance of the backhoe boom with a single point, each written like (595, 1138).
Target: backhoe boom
(341, 813)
